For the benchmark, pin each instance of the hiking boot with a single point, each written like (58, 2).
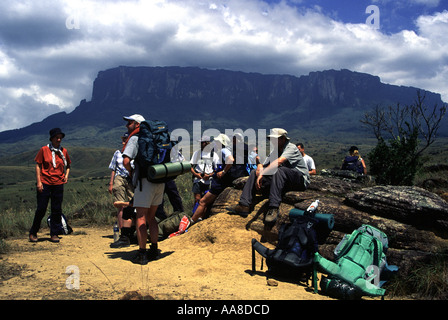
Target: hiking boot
(54, 239)
(140, 258)
(271, 216)
(122, 242)
(152, 253)
(33, 238)
(240, 209)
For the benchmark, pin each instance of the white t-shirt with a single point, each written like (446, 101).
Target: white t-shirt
(203, 162)
(309, 162)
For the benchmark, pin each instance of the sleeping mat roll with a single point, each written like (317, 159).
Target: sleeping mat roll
(167, 170)
(325, 219)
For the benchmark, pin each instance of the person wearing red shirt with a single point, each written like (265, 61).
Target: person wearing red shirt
(52, 171)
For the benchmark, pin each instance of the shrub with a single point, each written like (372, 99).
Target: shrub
(396, 162)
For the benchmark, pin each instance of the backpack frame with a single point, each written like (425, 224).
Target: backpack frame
(295, 250)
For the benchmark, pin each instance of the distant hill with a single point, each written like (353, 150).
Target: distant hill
(323, 103)
(86, 162)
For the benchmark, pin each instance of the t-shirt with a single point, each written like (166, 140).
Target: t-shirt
(309, 162)
(295, 161)
(204, 163)
(49, 174)
(131, 151)
(131, 148)
(116, 164)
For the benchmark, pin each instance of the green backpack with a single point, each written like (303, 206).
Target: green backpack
(360, 261)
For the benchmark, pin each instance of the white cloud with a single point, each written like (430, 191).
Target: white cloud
(43, 63)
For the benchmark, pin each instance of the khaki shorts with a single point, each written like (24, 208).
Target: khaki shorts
(122, 190)
(150, 195)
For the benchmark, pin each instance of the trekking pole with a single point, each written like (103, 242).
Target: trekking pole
(253, 258)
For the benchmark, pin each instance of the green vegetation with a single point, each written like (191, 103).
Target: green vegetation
(403, 134)
(396, 163)
(425, 281)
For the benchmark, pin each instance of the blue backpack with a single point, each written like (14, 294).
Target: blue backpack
(294, 253)
(154, 146)
(352, 163)
(61, 227)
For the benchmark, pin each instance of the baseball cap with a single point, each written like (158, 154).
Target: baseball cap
(135, 117)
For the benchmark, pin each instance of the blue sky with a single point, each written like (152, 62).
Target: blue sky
(395, 16)
(52, 50)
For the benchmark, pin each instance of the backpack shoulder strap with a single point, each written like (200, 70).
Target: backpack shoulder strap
(348, 244)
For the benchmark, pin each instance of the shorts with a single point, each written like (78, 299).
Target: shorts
(218, 185)
(129, 213)
(122, 189)
(151, 194)
(200, 187)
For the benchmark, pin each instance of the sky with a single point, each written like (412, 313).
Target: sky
(52, 51)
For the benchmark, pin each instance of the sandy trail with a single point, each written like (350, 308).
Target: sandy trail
(212, 261)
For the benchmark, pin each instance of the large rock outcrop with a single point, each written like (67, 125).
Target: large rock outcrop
(415, 220)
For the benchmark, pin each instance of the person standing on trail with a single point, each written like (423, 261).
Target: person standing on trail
(120, 186)
(52, 171)
(147, 197)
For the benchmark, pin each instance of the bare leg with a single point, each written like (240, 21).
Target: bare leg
(205, 201)
(142, 233)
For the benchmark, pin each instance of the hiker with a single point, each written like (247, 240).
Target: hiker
(120, 186)
(286, 173)
(226, 172)
(52, 171)
(354, 162)
(147, 196)
(203, 164)
(308, 160)
(252, 156)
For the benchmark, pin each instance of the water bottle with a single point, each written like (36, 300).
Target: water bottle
(116, 232)
(313, 206)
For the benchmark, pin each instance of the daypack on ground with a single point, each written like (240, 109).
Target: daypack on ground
(61, 227)
(360, 265)
(294, 253)
(154, 146)
(352, 163)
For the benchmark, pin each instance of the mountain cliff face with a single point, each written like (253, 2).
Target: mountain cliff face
(227, 99)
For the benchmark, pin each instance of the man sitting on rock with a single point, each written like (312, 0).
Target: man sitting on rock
(288, 172)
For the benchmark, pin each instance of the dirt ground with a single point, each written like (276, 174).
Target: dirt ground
(212, 261)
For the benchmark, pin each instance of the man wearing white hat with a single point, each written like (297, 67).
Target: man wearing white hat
(147, 196)
(287, 172)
